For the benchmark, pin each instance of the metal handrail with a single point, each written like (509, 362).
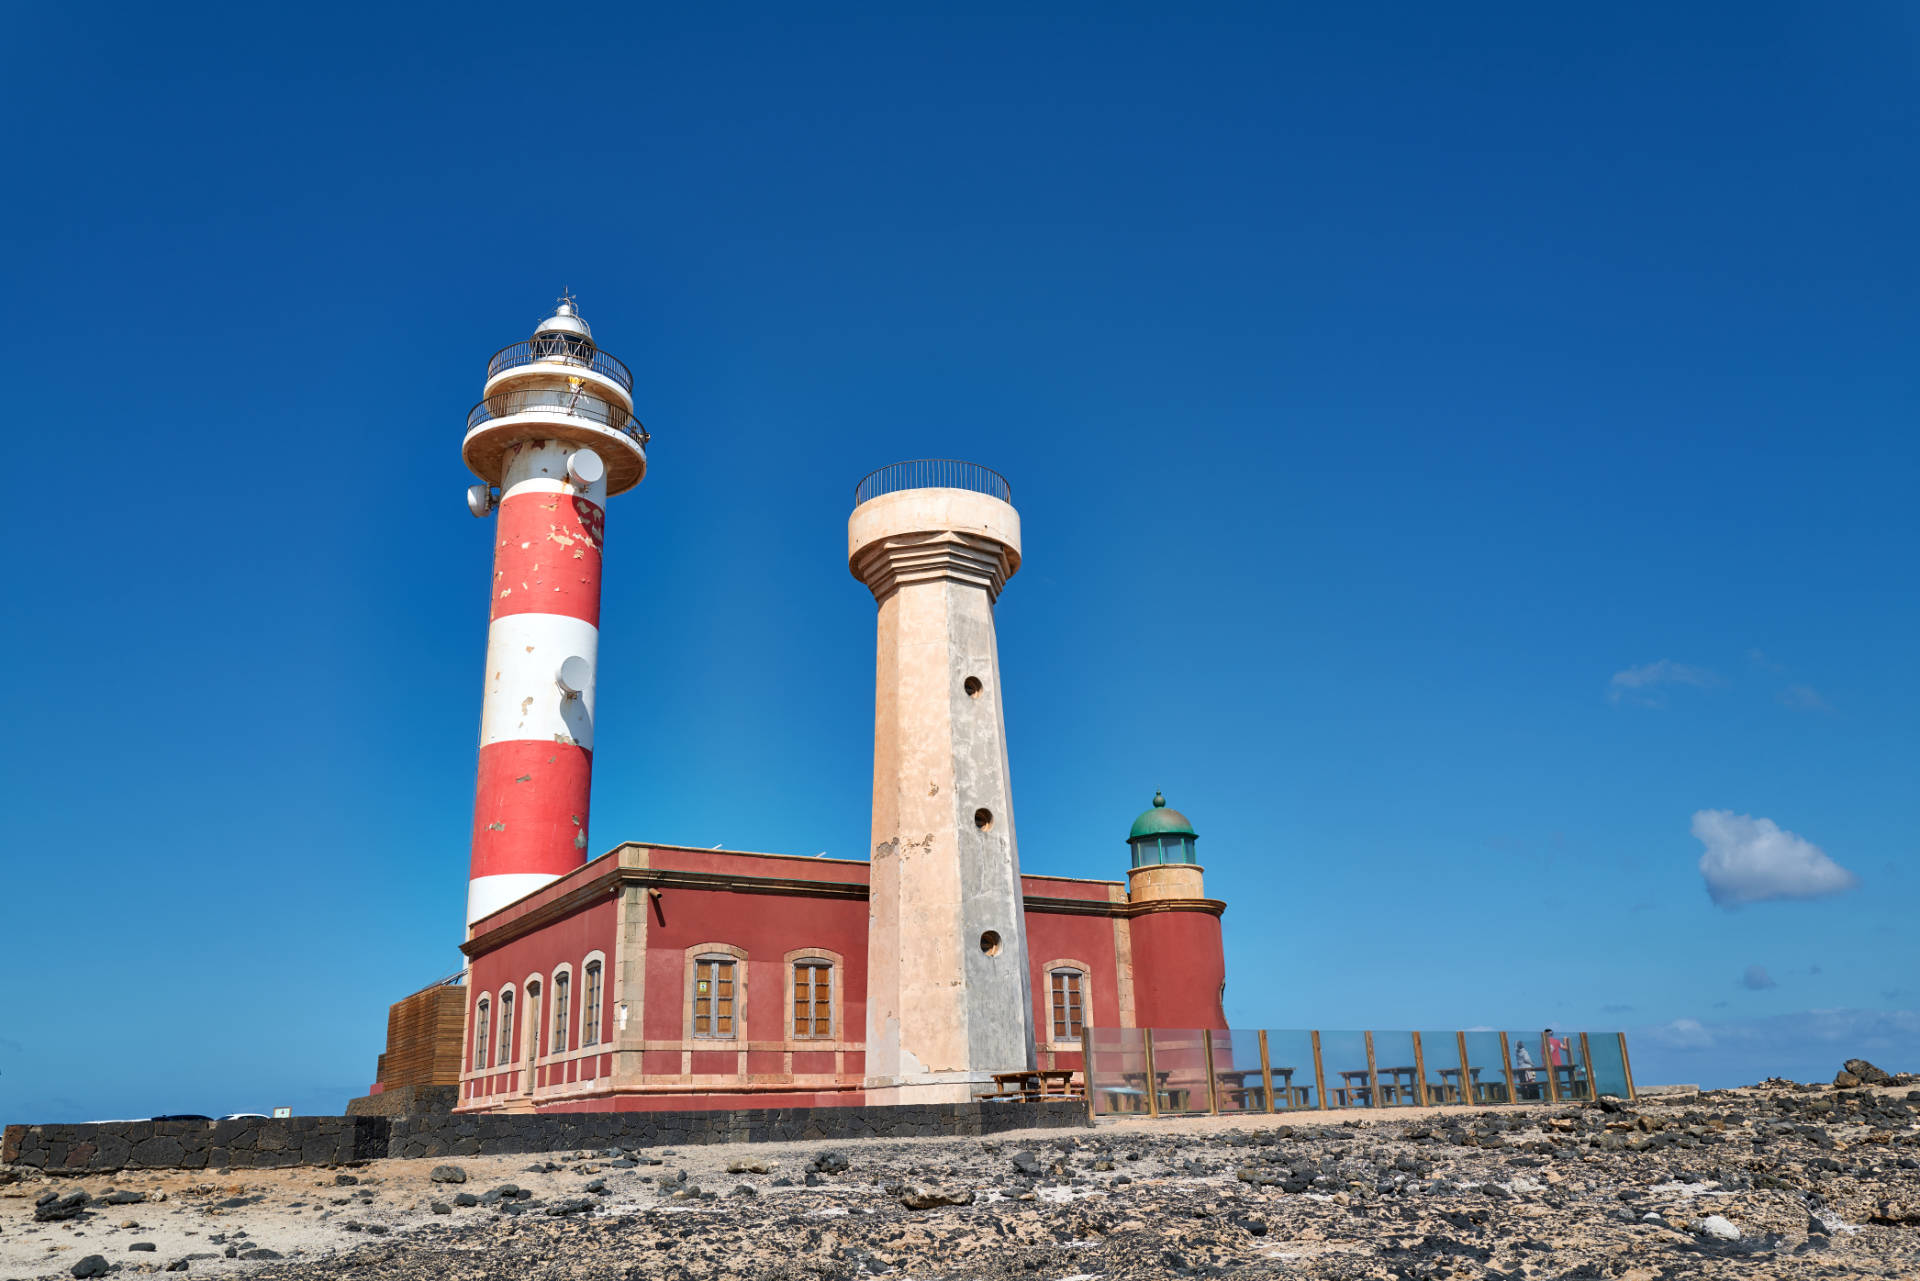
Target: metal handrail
(932, 473)
(575, 404)
(455, 979)
(561, 350)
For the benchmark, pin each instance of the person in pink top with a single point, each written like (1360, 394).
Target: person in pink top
(1556, 1048)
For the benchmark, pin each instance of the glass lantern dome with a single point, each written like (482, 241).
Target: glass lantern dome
(1162, 835)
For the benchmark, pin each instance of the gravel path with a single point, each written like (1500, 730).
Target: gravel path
(1754, 1183)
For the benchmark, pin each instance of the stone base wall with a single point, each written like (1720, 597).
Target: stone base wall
(252, 1144)
(260, 1143)
(406, 1100)
(560, 1131)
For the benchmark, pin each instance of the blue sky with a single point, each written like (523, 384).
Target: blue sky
(1458, 448)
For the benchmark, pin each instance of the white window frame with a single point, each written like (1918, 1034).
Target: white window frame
(599, 991)
(562, 973)
(482, 1031)
(503, 1011)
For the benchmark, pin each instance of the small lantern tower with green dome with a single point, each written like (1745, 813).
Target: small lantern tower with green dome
(1164, 865)
(1179, 966)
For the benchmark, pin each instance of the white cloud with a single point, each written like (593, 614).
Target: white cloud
(1807, 1045)
(1851, 1030)
(1757, 979)
(1804, 698)
(1681, 1034)
(1750, 860)
(1641, 685)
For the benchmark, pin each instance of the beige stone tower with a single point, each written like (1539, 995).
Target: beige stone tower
(948, 997)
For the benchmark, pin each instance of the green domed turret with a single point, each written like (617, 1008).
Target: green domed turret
(1162, 835)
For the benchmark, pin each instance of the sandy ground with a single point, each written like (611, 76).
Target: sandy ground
(1531, 1191)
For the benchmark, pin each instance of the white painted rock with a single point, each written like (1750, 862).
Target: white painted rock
(1717, 1227)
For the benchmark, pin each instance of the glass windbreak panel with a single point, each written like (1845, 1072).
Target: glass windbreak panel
(1180, 1069)
(1558, 1054)
(1343, 1056)
(1541, 1067)
(1609, 1064)
(1238, 1085)
(1116, 1070)
(1440, 1052)
(1290, 1060)
(1486, 1069)
(1395, 1072)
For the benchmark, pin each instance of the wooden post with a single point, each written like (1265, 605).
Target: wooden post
(1553, 1069)
(1319, 1073)
(1626, 1065)
(1419, 1071)
(1466, 1081)
(1153, 1082)
(1373, 1077)
(1586, 1057)
(1506, 1065)
(1266, 1070)
(1213, 1095)
(1086, 1067)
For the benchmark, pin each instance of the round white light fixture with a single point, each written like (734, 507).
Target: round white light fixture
(574, 676)
(586, 468)
(479, 499)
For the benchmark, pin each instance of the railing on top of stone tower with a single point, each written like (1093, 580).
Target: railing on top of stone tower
(1183, 1072)
(563, 351)
(575, 404)
(933, 473)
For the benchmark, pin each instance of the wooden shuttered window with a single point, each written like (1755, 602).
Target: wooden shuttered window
(812, 1000)
(480, 1035)
(561, 983)
(590, 1008)
(504, 1055)
(1066, 1005)
(713, 997)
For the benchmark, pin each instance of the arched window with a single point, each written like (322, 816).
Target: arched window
(713, 997)
(482, 1017)
(812, 999)
(590, 1008)
(562, 985)
(530, 1015)
(503, 1056)
(1066, 1001)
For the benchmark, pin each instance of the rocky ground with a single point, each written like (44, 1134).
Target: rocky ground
(1770, 1181)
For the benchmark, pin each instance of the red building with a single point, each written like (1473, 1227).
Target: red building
(659, 976)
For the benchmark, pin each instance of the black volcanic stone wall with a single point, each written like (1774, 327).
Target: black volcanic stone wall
(251, 1144)
(405, 1100)
(422, 1136)
(261, 1143)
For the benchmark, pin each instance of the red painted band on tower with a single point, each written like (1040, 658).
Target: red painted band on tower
(530, 808)
(546, 557)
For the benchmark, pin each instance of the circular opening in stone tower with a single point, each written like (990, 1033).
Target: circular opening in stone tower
(983, 819)
(990, 943)
(972, 686)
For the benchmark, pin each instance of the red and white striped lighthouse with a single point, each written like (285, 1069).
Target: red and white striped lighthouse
(552, 438)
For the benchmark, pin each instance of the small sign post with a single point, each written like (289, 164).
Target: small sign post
(279, 1113)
